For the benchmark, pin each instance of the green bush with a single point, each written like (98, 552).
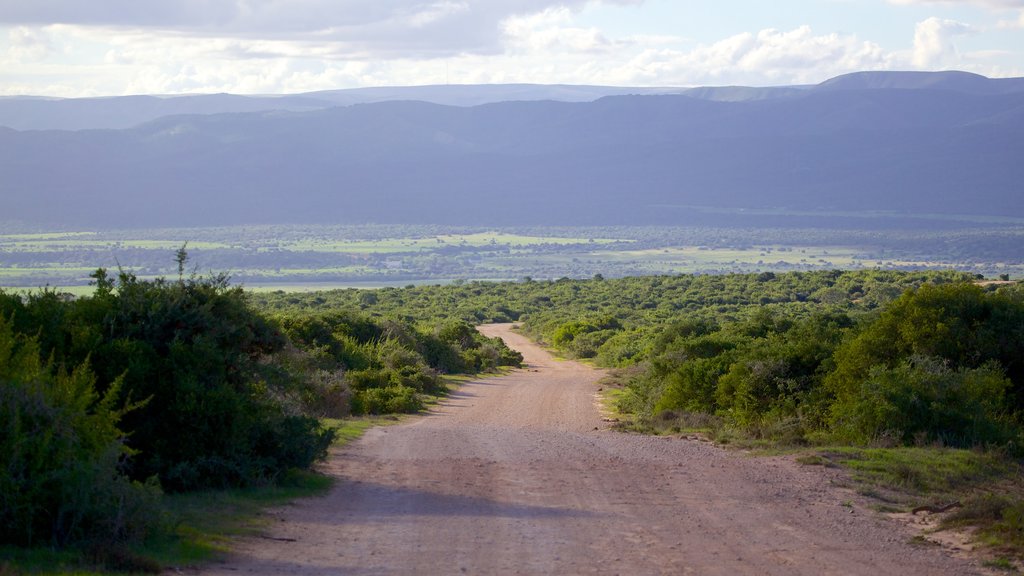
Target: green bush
(361, 380)
(923, 399)
(691, 387)
(959, 323)
(419, 378)
(1011, 526)
(201, 353)
(389, 400)
(622, 349)
(61, 453)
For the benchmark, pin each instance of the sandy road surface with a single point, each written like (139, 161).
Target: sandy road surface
(509, 476)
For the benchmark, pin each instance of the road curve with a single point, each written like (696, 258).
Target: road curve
(518, 475)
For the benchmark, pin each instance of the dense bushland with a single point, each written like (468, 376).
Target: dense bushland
(386, 365)
(193, 352)
(191, 383)
(62, 450)
(181, 385)
(863, 356)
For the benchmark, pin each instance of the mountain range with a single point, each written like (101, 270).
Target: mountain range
(945, 144)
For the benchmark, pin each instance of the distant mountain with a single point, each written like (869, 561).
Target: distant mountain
(954, 81)
(876, 142)
(28, 113)
(32, 113)
(475, 95)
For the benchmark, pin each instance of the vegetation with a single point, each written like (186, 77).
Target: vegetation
(178, 386)
(910, 379)
(308, 257)
(858, 357)
(182, 386)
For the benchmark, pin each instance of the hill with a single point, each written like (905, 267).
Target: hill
(875, 142)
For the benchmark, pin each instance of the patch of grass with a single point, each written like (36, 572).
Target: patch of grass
(40, 561)
(202, 524)
(981, 509)
(671, 422)
(348, 429)
(609, 397)
(1010, 528)
(989, 486)
(1000, 564)
(999, 518)
(919, 472)
(813, 460)
(197, 528)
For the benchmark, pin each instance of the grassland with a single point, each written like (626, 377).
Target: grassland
(322, 257)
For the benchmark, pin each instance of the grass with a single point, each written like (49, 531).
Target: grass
(922, 472)
(197, 528)
(1001, 564)
(365, 257)
(14, 561)
(989, 486)
(350, 429)
(610, 398)
(431, 243)
(205, 522)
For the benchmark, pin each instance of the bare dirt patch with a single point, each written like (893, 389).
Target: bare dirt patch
(518, 474)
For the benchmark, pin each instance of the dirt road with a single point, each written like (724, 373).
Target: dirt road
(518, 475)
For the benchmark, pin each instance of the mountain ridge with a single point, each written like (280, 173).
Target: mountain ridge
(619, 159)
(119, 112)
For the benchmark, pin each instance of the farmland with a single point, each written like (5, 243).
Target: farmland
(294, 257)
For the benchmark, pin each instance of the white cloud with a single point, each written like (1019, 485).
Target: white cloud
(933, 43)
(550, 31)
(535, 41)
(1013, 24)
(28, 44)
(768, 57)
(984, 3)
(377, 28)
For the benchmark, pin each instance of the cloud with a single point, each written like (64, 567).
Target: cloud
(28, 44)
(933, 43)
(983, 3)
(550, 31)
(382, 28)
(433, 42)
(768, 57)
(1013, 24)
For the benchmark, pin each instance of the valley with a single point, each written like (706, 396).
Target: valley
(317, 257)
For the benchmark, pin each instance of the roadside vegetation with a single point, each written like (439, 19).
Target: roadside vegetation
(913, 381)
(119, 409)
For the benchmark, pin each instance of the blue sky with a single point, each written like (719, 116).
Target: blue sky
(113, 47)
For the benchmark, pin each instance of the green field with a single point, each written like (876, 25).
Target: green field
(297, 257)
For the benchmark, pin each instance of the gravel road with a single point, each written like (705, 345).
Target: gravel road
(519, 475)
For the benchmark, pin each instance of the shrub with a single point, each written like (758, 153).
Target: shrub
(959, 323)
(389, 400)
(691, 387)
(924, 399)
(361, 380)
(197, 348)
(61, 451)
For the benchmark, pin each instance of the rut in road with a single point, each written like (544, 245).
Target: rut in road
(518, 475)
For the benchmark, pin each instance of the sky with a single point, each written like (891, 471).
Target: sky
(76, 48)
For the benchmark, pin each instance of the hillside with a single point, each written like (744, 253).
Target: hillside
(938, 144)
